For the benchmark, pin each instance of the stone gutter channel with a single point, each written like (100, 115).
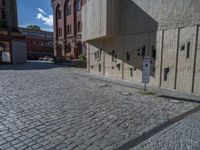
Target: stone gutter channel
(135, 142)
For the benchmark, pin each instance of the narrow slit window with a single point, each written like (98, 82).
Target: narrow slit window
(99, 67)
(138, 52)
(143, 51)
(127, 56)
(131, 72)
(166, 72)
(188, 50)
(113, 56)
(153, 53)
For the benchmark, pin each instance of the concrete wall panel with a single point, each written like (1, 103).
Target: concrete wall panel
(187, 40)
(169, 57)
(197, 69)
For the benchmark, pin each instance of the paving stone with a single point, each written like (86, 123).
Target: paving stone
(2, 141)
(44, 104)
(182, 135)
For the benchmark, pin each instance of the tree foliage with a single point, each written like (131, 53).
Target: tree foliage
(33, 27)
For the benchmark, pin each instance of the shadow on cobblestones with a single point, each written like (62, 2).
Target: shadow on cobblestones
(32, 65)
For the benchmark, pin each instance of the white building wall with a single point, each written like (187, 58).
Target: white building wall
(197, 66)
(187, 39)
(165, 25)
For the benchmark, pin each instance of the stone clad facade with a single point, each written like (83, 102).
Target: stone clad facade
(67, 28)
(12, 42)
(122, 33)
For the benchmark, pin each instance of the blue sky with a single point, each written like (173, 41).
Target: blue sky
(37, 12)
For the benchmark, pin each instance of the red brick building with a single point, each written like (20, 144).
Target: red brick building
(67, 28)
(39, 43)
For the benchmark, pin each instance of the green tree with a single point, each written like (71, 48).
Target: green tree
(33, 27)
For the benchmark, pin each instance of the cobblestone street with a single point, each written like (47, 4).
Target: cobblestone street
(184, 135)
(43, 106)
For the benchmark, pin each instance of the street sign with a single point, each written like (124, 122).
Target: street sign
(146, 71)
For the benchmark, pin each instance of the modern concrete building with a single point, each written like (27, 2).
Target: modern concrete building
(121, 33)
(67, 28)
(38, 43)
(12, 42)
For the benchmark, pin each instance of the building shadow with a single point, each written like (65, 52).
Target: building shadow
(30, 65)
(135, 38)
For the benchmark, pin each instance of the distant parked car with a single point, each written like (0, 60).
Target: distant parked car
(46, 59)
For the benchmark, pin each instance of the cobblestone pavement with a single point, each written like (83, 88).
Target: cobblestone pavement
(47, 107)
(184, 135)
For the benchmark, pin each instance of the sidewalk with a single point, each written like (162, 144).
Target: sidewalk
(160, 92)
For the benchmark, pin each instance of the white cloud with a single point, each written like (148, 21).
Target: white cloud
(41, 11)
(46, 19)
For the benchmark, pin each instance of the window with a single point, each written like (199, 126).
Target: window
(127, 56)
(99, 67)
(69, 29)
(79, 26)
(153, 53)
(68, 10)
(131, 72)
(188, 50)
(166, 72)
(78, 5)
(60, 32)
(182, 47)
(143, 51)
(138, 52)
(95, 56)
(59, 14)
(119, 67)
(100, 54)
(113, 56)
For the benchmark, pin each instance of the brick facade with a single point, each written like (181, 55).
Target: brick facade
(39, 43)
(67, 28)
